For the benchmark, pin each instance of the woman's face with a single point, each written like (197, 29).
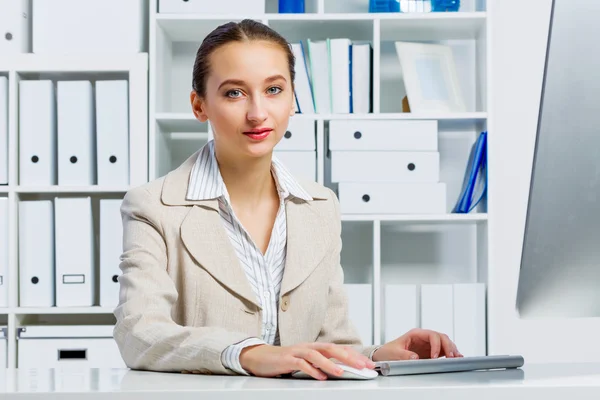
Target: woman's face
(249, 97)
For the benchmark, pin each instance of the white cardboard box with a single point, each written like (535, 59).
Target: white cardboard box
(392, 198)
(383, 135)
(83, 346)
(212, 7)
(88, 27)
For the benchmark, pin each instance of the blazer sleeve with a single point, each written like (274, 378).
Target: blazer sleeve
(337, 327)
(147, 336)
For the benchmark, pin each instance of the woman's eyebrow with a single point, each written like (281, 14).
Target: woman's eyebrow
(232, 82)
(239, 82)
(275, 77)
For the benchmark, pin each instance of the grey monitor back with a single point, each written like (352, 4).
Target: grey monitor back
(560, 263)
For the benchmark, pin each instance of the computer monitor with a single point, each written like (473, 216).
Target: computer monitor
(560, 263)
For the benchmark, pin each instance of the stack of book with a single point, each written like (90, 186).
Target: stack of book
(333, 76)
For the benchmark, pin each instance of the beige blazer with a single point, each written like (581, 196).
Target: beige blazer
(184, 296)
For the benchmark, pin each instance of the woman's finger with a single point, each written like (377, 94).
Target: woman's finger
(435, 344)
(345, 355)
(301, 364)
(318, 360)
(406, 355)
(448, 347)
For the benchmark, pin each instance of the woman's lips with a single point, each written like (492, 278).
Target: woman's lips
(258, 134)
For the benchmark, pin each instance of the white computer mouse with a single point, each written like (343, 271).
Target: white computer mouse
(349, 373)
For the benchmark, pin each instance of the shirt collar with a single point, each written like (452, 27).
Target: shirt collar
(206, 182)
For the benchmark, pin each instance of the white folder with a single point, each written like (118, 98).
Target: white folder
(74, 252)
(14, 26)
(36, 253)
(3, 355)
(360, 309)
(469, 318)
(401, 310)
(3, 253)
(437, 310)
(111, 247)
(112, 132)
(318, 54)
(37, 133)
(76, 141)
(339, 70)
(3, 130)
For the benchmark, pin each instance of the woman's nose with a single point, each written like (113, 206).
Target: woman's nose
(257, 111)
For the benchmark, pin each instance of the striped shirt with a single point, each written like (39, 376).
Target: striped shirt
(264, 271)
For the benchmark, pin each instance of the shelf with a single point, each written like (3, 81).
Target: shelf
(61, 310)
(417, 218)
(433, 26)
(5, 189)
(70, 189)
(34, 63)
(187, 120)
(414, 26)
(180, 122)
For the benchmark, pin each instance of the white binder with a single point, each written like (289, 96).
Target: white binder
(37, 133)
(14, 26)
(88, 27)
(360, 309)
(437, 310)
(76, 141)
(339, 70)
(74, 252)
(3, 252)
(3, 130)
(111, 247)
(401, 305)
(3, 354)
(112, 132)
(469, 319)
(36, 253)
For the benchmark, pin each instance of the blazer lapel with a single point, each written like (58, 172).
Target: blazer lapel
(308, 238)
(204, 236)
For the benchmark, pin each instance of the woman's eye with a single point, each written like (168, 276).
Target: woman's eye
(234, 93)
(274, 90)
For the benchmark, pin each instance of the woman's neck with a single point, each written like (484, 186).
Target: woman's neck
(248, 180)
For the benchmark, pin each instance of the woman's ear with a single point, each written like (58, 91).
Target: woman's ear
(198, 107)
(293, 108)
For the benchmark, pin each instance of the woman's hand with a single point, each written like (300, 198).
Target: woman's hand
(417, 343)
(270, 361)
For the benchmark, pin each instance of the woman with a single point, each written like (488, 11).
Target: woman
(230, 264)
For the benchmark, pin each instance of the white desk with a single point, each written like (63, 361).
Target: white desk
(567, 381)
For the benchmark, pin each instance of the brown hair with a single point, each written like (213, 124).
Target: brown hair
(245, 30)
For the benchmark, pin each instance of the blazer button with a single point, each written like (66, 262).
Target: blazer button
(285, 303)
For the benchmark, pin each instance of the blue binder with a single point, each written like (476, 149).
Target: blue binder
(475, 181)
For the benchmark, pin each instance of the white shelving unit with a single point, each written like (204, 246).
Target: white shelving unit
(133, 68)
(378, 249)
(446, 248)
